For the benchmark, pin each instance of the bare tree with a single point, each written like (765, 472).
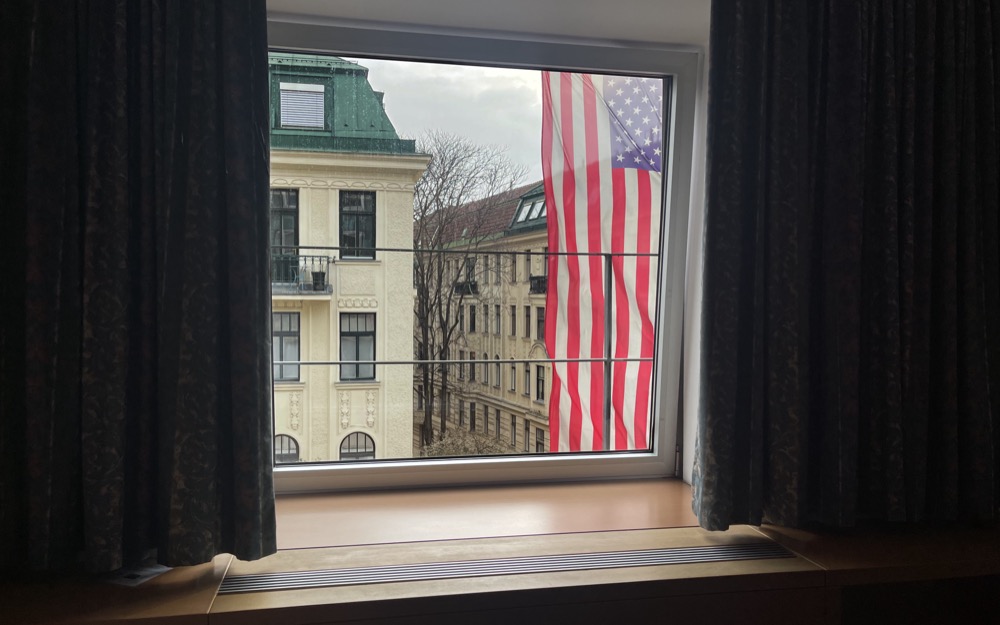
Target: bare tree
(464, 443)
(464, 185)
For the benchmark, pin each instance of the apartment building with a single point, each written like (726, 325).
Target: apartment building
(341, 194)
(500, 280)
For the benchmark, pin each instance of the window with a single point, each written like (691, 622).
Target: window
(286, 449)
(545, 261)
(513, 269)
(513, 431)
(527, 379)
(461, 365)
(357, 446)
(527, 434)
(496, 371)
(496, 316)
(284, 235)
(486, 269)
(498, 263)
(540, 441)
(472, 416)
(302, 105)
(513, 376)
(460, 324)
(539, 383)
(357, 224)
(472, 367)
(513, 320)
(527, 322)
(496, 425)
(461, 413)
(486, 319)
(649, 62)
(540, 323)
(420, 396)
(472, 318)
(527, 264)
(285, 345)
(470, 269)
(486, 369)
(357, 343)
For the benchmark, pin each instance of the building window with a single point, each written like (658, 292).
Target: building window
(472, 366)
(461, 318)
(461, 413)
(470, 269)
(527, 434)
(486, 369)
(527, 379)
(461, 365)
(284, 235)
(496, 371)
(357, 446)
(486, 269)
(302, 105)
(545, 261)
(357, 343)
(539, 383)
(357, 224)
(285, 345)
(527, 264)
(286, 449)
(540, 322)
(472, 416)
(513, 376)
(498, 263)
(420, 396)
(513, 431)
(527, 322)
(513, 320)
(513, 269)
(496, 315)
(472, 318)
(496, 425)
(539, 441)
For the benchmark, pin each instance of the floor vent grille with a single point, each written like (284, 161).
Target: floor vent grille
(297, 580)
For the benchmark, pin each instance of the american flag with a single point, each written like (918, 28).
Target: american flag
(602, 163)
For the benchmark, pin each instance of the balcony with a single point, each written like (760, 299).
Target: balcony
(467, 287)
(539, 285)
(300, 274)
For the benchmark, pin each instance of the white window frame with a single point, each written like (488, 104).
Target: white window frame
(683, 64)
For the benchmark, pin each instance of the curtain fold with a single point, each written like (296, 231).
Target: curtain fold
(136, 345)
(851, 331)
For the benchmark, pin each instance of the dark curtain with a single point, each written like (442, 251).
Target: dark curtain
(851, 343)
(135, 336)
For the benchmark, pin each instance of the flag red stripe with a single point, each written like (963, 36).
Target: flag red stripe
(572, 262)
(621, 306)
(594, 228)
(642, 296)
(551, 297)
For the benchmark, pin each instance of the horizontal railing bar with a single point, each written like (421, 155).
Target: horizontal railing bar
(468, 252)
(456, 362)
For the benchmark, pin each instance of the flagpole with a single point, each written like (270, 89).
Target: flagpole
(607, 351)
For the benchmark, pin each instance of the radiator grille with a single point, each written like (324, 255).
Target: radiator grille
(297, 580)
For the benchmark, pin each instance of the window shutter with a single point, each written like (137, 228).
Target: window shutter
(302, 105)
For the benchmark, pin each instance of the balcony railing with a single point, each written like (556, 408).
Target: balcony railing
(539, 284)
(294, 274)
(467, 287)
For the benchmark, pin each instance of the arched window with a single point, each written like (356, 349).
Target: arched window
(286, 449)
(357, 446)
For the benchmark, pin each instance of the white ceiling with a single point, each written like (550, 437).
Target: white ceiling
(649, 21)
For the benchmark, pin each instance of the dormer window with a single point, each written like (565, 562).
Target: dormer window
(302, 105)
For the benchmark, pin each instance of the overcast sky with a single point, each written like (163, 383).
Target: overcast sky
(487, 105)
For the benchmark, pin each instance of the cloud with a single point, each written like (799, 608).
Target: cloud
(487, 105)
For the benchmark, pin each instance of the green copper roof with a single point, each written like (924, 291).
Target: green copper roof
(338, 111)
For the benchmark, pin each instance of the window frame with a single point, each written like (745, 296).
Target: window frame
(357, 335)
(684, 65)
(277, 337)
(357, 215)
